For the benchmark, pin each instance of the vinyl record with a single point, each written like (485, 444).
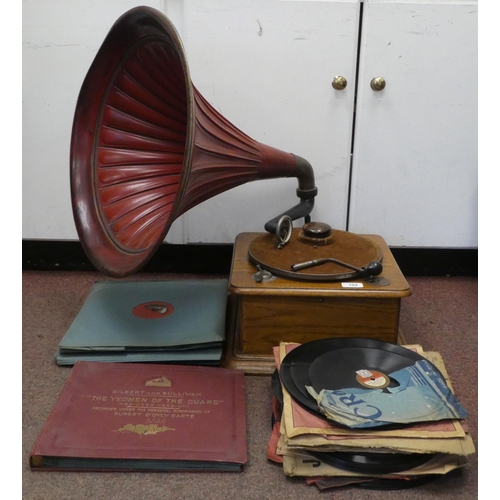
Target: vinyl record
(397, 484)
(372, 483)
(343, 367)
(303, 400)
(373, 463)
(295, 367)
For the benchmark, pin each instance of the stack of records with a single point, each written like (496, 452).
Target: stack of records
(365, 413)
(178, 321)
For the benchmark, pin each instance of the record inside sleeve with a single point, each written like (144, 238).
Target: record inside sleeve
(304, 401)
(405, 483)
(373, 463)
(296, 365)
(371, 483)
(341, 368)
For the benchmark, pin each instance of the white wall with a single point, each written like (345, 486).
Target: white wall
(60, 40)
(267, 65)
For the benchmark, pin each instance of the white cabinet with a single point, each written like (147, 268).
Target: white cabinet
(401, 163)
(268, 67)
(414, 174)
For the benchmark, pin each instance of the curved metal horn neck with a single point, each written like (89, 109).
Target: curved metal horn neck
(306, 191)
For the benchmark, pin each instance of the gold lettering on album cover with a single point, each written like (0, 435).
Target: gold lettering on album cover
(142, 429)
(154, 393)
(159, 382)
(128, 400)
(152, 409)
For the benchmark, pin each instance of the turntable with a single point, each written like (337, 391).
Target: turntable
(146, 147)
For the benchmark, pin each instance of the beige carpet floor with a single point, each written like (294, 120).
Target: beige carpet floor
(441, 315)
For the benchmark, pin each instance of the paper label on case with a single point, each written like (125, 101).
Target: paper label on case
(352, 285)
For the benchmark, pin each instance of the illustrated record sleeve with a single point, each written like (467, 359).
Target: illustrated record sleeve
(120, 416)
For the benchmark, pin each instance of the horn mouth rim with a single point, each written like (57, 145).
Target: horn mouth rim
(133, 29)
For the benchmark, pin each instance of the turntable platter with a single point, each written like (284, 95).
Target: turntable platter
(350, 248)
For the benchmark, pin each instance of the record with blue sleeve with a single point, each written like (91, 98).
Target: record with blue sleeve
(363, 383)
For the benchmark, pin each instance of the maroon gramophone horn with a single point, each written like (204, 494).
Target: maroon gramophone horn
(146, 147)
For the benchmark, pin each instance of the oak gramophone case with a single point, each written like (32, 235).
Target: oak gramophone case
(146, 147)
(298, 310)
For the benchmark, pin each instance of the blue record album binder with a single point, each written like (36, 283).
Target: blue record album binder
(180, 321)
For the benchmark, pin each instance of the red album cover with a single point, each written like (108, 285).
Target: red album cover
(117, 415)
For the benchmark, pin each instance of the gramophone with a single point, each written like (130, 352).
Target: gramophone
(146, 147)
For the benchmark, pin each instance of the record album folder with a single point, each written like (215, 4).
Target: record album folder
(179, 321)
(145, 417)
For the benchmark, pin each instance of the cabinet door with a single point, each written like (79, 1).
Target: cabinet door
(267, 66)
(414, 178)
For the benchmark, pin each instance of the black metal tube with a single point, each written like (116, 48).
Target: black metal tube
(306, 191)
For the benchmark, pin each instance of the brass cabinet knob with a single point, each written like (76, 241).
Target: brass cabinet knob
(339, 83)
(377, 83)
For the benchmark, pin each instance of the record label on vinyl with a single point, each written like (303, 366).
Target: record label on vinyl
(153, 310)
(372, 379)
